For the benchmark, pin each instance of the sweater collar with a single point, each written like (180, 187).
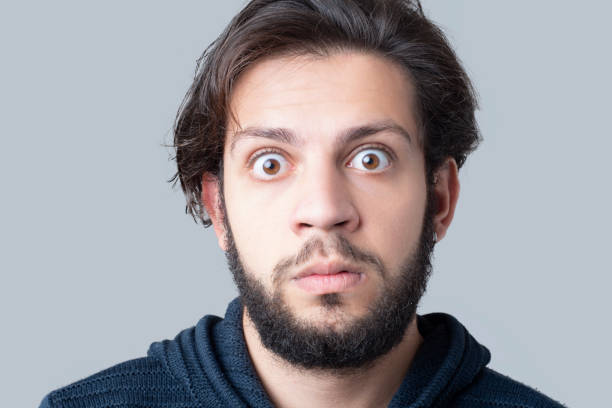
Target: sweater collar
(447, 362)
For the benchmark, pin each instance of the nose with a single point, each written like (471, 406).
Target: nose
(324, 203)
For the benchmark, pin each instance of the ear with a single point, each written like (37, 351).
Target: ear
(446, 192)
(211, 197)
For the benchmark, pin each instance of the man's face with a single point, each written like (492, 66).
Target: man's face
(324, 186)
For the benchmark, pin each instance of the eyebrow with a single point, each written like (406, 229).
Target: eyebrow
(349, 135)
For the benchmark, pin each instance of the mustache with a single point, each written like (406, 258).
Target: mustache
(334, 244)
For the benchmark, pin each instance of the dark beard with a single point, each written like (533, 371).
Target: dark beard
(363, 340)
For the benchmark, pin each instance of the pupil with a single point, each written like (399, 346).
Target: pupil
(271, 166)
(370, 161)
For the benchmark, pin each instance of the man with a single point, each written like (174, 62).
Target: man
(322, 140)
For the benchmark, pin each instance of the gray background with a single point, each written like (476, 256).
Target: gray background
(98, 259)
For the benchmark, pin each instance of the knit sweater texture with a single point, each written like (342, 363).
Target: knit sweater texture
(208, 366)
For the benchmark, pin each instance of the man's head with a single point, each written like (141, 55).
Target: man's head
(323, 140)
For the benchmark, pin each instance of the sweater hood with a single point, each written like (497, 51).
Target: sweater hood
(211, 361)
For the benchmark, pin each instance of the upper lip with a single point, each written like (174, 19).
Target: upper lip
(328, 267)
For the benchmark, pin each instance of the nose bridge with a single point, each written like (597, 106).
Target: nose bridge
(324, 200)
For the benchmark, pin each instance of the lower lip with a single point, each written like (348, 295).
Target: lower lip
(321, 284)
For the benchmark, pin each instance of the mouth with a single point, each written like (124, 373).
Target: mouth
(328, 277)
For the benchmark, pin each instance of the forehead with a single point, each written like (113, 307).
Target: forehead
(314, 95)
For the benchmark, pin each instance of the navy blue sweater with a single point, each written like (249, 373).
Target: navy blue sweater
(208, 366)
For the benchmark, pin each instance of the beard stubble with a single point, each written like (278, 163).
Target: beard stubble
(359, 342)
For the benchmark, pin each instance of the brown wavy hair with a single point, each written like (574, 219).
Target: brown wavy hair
(394, 29)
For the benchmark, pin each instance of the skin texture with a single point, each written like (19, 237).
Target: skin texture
(322, 186)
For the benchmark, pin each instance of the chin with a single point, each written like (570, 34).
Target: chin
(330, 322)
(329, 311)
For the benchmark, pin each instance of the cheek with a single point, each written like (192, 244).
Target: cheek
(256, 221)
(405, 230)
(392, 220)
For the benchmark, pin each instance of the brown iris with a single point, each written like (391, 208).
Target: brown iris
(271, 167)
(370, 161)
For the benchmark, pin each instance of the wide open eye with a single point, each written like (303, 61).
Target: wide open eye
(370, 159)
(269, 165)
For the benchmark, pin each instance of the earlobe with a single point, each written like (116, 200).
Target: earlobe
(211, 199)
(446, 192)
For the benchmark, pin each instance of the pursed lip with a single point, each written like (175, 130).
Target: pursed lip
(329, 267)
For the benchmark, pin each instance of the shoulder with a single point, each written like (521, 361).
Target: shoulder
(491, 388)
(139, 382)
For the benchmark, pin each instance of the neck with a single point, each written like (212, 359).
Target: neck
(290, 386)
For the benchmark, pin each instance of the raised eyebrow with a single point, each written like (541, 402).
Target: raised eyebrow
(370, 129)
(279, 134)
(284, 135)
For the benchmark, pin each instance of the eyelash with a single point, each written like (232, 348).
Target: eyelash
(253, 158)
(373, 146)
